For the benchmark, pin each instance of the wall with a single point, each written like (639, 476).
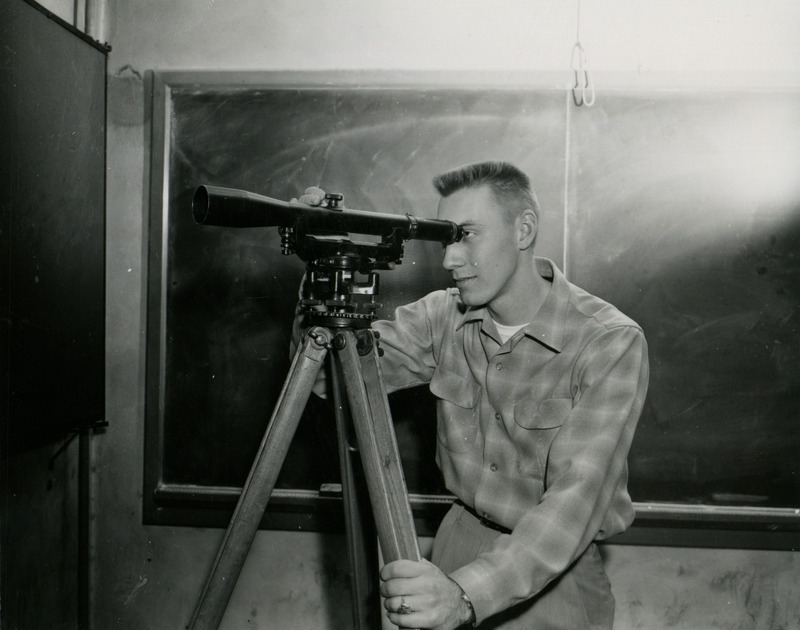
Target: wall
(41, 557)
(150, 577)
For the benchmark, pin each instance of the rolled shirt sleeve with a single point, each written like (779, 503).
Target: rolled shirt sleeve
(408, 342)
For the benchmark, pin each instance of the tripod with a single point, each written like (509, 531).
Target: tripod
(339, 309)
(355, 370)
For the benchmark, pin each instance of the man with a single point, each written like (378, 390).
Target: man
(539, 386)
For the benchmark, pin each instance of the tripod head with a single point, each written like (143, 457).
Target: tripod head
(335, 243)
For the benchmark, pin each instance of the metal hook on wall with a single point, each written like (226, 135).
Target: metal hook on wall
(583, 88)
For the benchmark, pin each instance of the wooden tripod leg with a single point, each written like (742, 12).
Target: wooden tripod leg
(362, 552)
(260, 482)
(369, 407)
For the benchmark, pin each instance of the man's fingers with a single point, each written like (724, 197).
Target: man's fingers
(320, 387)
(404, 577)
(402, 604)
(401, 612)
(396, 587)
(313, 196)
(402, 569)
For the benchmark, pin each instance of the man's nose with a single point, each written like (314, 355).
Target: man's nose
(453, 256)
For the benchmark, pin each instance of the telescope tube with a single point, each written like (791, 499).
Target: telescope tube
(230, 207)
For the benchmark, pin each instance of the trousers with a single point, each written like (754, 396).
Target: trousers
(578, 599)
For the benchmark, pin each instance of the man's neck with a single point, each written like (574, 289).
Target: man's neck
(526, 302)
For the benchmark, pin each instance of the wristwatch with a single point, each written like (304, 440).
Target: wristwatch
(465, 599)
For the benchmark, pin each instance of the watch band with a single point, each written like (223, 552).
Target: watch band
(467, 601)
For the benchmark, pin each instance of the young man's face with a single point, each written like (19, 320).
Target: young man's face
(484, 262)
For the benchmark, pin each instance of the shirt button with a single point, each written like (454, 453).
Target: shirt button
(493, 467)
(498, 417)
(499, 366)
(486, 515)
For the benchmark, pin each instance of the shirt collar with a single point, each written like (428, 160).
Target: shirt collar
(547, 326)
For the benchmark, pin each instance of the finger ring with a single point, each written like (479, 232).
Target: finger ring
(404, 608)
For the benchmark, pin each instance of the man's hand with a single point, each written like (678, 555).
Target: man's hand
(433, 598)
(313, 196)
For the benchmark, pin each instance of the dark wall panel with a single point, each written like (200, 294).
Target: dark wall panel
(53, 215)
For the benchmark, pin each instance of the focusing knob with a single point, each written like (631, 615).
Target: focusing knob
(333, 200)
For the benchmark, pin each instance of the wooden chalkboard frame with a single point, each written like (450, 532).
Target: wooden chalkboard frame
(657, 523)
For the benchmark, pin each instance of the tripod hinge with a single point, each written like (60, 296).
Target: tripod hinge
(321, 338)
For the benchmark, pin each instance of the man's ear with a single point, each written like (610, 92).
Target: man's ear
(528, 226)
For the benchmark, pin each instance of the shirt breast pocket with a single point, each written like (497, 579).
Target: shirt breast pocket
(457, 409)
(538, 422)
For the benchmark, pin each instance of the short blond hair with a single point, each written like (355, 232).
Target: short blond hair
(511, 187)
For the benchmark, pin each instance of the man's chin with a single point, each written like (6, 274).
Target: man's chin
(468, 299)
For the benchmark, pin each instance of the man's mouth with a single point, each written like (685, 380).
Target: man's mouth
(464, 280)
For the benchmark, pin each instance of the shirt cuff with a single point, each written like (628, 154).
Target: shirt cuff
(474, 581)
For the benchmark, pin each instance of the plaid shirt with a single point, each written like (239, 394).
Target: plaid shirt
(533, 433)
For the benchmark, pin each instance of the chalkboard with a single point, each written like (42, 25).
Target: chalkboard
(668, 205)
(691, 211)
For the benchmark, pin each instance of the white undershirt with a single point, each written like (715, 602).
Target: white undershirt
(506, 332)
